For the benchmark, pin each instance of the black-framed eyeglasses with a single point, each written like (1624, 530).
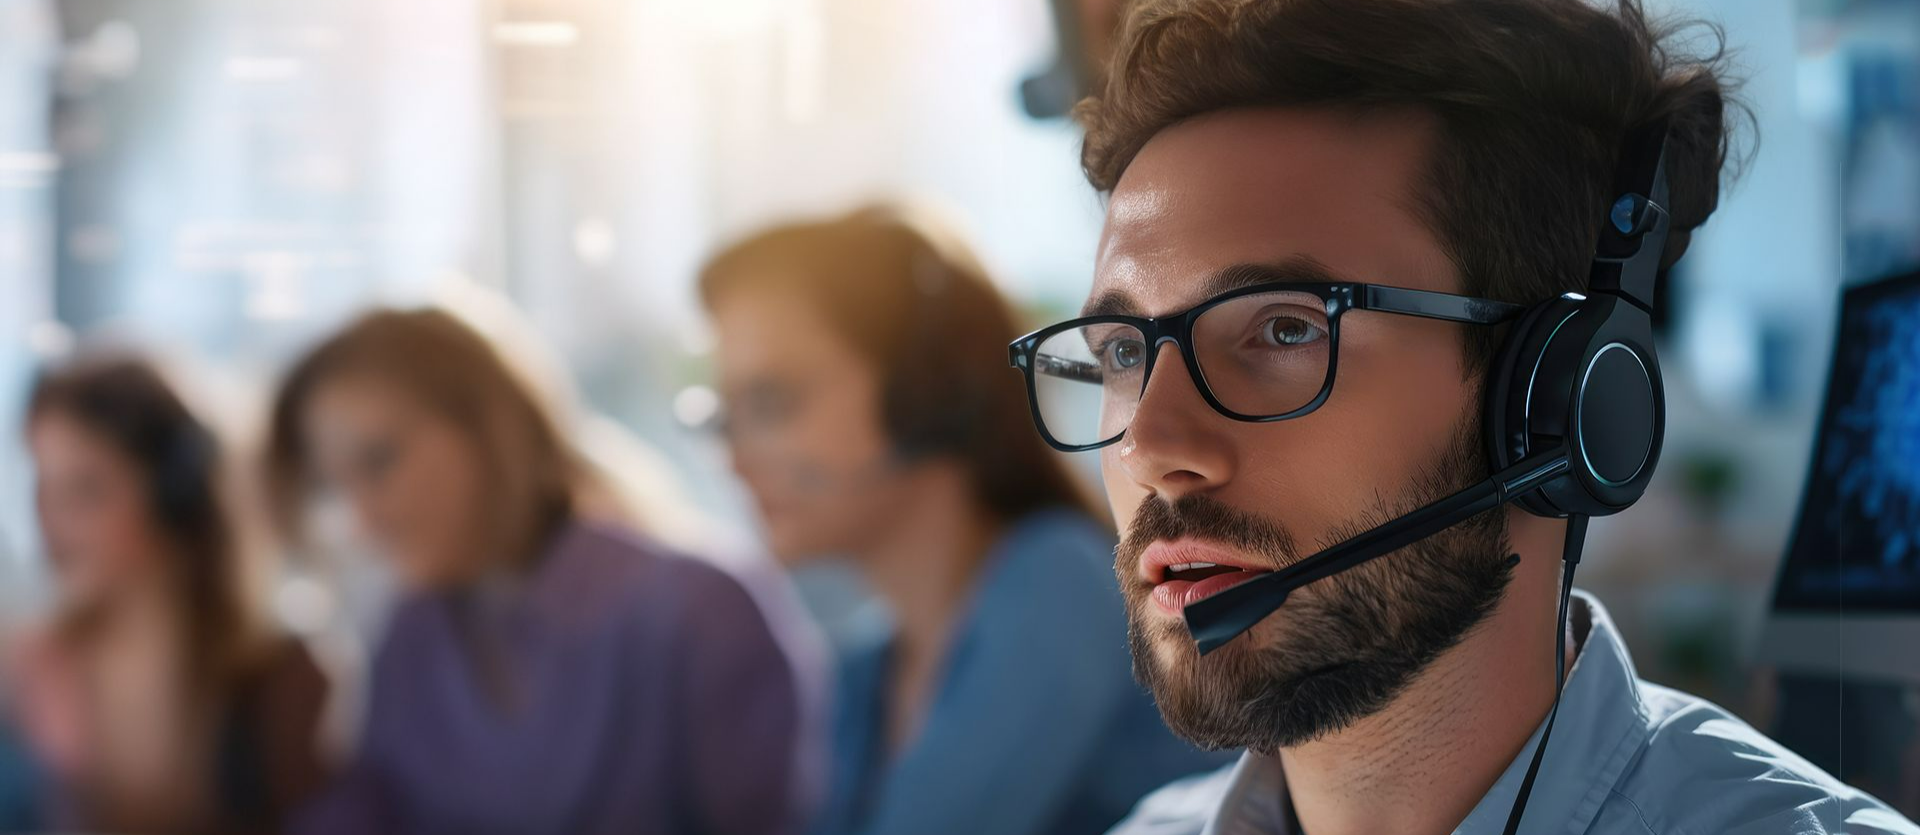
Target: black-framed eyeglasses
(1261, 353)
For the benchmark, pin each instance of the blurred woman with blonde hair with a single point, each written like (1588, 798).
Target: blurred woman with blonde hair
(543, 673)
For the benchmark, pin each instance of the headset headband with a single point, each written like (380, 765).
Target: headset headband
(1633, 241)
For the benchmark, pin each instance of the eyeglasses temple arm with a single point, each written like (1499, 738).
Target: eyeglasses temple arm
(1079, 372)
(1426, 303)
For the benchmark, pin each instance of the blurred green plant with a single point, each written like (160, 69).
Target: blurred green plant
(1709, 478)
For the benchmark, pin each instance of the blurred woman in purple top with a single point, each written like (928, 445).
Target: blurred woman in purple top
(543, 674)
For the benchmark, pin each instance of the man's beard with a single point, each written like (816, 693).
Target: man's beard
(1344, 646)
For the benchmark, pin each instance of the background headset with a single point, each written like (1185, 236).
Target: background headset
(182, 479)
(1574, 416)
(924, 415)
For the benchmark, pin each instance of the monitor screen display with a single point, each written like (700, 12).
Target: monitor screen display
(1856, 546)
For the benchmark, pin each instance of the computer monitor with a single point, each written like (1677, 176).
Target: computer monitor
(1847, 599)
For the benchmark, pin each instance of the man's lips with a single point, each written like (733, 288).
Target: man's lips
(1186, 571)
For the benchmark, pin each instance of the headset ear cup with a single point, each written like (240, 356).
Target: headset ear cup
(1527, 400)
(1617, 419)
(1552, 386)
(933, 407)
(183, 483)
(1503, 385)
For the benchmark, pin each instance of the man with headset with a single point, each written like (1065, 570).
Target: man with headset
(1369, 341)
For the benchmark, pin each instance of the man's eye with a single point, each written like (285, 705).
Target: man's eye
(1287, 331)
(1127, 353)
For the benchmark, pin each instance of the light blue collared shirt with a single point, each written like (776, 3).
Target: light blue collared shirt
(1627, 758)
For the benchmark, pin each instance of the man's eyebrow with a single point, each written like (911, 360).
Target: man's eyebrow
(1110, 303)
(1294, 269)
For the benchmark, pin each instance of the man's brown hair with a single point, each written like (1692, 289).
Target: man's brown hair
(1532, 99)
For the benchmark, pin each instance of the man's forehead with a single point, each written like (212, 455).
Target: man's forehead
(1272, 186)
(1296, 269)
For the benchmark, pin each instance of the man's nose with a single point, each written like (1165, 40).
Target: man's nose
(1176, 444)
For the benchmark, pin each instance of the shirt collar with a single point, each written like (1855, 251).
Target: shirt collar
(1602, 724)
(1255, 802)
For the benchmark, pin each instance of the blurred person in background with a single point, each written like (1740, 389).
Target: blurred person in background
(156, 699)
(861, 364)
(625, 480)
(19, 784)
(542, 673)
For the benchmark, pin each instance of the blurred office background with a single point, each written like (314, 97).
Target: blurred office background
(223, 180)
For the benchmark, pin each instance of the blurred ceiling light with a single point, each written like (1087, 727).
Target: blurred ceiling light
(27, 169)
(696, 407)
(536, 33)
(28, 162)
(259, 68)
(273, 286)
(594, 242)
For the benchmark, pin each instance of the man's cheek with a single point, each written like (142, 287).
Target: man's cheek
(1123, 496)
(1321, 481)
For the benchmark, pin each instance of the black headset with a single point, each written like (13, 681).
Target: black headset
(182, 476)
(1578, 380)
(929, 414)
(1579, 371)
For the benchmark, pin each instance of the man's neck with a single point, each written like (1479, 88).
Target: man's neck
(1420, 765)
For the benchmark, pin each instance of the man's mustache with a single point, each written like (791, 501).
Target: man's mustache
(1205, 518)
